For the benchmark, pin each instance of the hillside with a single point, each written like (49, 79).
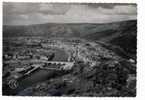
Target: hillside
(68, 30)
(122, 34)
(102, 59)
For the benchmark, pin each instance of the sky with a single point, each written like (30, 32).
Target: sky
(16, 13)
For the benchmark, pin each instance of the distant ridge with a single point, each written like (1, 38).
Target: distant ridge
(122, 34)
(65, 30)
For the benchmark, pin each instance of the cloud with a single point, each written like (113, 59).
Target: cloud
(53, 9)
(120, 9)
(28, 8)
(35, 13)
(102, 5)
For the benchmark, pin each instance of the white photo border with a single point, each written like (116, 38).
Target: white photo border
(140, 51)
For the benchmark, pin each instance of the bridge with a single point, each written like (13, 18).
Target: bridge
(36, 61)
(62, 66)
(36, 64)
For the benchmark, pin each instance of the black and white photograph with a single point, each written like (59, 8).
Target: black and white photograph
(69, 49)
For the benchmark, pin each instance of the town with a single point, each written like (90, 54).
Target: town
(50, 56)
